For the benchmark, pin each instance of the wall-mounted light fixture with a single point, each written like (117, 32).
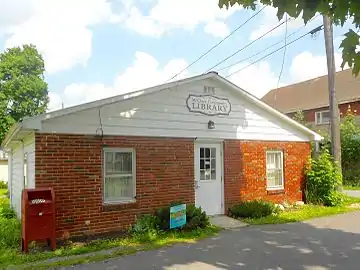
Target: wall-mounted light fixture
(211, 125)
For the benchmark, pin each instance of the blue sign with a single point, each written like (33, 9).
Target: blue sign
(177, 216)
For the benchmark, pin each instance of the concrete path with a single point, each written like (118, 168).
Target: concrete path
(325, 243)
(226, 222)
(352, 193)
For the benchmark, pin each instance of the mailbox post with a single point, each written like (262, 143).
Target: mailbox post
(38, 217)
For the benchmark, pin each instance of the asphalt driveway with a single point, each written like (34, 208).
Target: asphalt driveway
(325, 243)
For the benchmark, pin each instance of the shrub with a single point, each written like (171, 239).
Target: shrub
(145, 228)
(252, 209)
(3, 185)
(9, 226)
(323, 179)
(9, 233)
(195, 217)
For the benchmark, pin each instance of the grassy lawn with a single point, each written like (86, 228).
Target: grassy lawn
(121, 246)
(351, 187)
(305, 212)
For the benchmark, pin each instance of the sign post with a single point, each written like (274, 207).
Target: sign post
(177, 216)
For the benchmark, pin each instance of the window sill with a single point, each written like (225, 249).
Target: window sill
(275, 191)
(120, 205)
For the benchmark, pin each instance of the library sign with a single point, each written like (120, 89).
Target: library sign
(209, 105)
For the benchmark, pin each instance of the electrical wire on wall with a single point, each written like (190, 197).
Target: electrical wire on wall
(100, 129)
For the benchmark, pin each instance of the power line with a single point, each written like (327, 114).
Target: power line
(247, 45)
(252, 63)
(216, 45)
(264, 50)
(283, 59)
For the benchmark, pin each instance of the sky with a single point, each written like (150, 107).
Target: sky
(94, 49)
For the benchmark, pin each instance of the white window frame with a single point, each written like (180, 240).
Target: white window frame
(133, 159)
(279, 187)
(321, 118)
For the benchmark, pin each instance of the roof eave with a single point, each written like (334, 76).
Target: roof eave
(312, 135)
(10, 134)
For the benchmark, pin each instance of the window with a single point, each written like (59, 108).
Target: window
(274, 170)
(207, 163)
(322, 117)
(119, 175)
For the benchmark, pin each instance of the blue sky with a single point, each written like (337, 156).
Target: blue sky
(98, 48)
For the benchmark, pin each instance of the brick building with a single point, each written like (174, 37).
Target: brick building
(201, 140)
(312, 97)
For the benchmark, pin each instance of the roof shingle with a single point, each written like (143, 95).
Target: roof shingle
(313, 93)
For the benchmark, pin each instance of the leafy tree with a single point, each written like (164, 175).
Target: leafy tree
(23, 91)
(299, 117)
(338, 10)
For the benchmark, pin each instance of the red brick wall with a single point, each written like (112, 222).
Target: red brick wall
(310, 114)
(164, 173)
(72, 165)
(245, 170)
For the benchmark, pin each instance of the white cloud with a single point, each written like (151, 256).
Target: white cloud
(166, 15)
(217, 28)
(144, 72)
(257, 79)
(59, 28)
(270, 20)
(306, 66)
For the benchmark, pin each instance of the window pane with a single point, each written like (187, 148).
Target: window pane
(108, 162)
(318, 118)
(270, 160)
(278, 161)
(213, 152)
(123, 162)
(213, 174)
(202, 175)
(118, 187)
(213, 164)
(202, 164)
(201, 152)
(325, 117)
(207, 175)
(278, 178)
(207, 164)
(270, 179)
(207, 152)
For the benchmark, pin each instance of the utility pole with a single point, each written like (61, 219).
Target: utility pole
(333, 104)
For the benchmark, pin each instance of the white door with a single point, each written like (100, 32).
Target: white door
(208, 178)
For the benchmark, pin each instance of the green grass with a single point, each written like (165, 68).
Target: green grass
(305, 212)
(123, 246)
(351, 187)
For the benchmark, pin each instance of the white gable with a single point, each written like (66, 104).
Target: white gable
(169, 113)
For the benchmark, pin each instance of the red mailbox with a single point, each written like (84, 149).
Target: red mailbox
(38, 216)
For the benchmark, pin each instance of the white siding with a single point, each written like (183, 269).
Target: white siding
(17, 170)
(165, 114)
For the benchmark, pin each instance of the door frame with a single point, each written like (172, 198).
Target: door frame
(198, 142)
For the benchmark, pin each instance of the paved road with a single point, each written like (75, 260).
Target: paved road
(326, 243)
(353, 193)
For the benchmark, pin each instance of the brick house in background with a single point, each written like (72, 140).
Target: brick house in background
(313, 99)
(200, 140)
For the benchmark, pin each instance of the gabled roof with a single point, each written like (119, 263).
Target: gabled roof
(313, 93)
(34, 123)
